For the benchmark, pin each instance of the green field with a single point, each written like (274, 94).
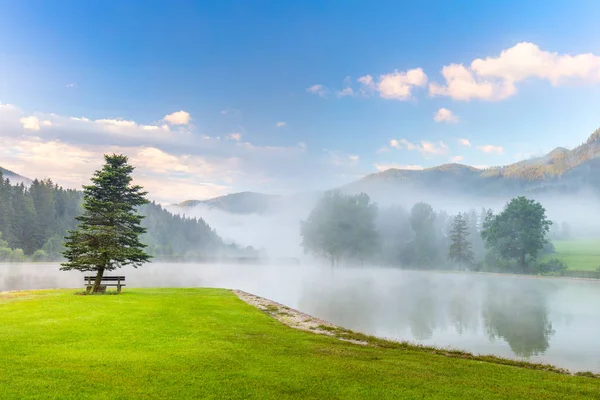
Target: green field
(580, 255)
(206, 343)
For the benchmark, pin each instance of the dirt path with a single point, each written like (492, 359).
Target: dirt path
(293, 318)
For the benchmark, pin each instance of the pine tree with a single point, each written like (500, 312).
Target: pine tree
(108, 234)
(460, 247)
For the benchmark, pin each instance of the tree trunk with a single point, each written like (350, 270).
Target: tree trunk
(98, 280)
(523, 269)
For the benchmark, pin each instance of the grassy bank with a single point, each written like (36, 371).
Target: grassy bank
(206, 343)
(579, 255)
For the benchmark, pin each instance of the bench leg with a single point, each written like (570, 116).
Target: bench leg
(119, 287)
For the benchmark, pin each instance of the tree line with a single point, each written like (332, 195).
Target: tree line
(352, 229)
(35, 219)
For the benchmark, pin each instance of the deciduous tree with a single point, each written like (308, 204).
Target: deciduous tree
(518, 233)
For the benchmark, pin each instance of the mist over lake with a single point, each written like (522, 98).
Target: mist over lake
(547, 320)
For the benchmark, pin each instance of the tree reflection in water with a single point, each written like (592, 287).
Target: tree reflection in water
(516, 311)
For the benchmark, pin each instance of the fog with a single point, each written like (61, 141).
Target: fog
(546, 320)
(277, 231)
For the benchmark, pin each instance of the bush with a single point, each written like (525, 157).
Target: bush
(39, 255)
(17, 255)
(550, 266)
(5, 254)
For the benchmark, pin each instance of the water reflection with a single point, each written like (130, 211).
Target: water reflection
(519, 315)
(553, 321)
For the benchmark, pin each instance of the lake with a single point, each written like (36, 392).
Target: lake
(555, 321)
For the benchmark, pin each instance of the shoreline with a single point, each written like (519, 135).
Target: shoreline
(299, 320)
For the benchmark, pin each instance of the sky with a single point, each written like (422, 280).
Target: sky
(214, 97)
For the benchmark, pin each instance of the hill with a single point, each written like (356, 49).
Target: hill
(14, 177)
(236, 203)
(560, 171)
(207, 343)
(34, 220)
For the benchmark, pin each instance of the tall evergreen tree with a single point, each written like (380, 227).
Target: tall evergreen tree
(108, 235)
(460, 249)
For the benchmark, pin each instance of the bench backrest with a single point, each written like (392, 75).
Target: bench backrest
(105, 278)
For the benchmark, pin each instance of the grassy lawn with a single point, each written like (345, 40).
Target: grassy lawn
(206, 343)
(581, 255)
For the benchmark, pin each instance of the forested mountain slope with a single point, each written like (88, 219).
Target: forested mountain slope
(559, 171)
(236, 203)
(35, 218)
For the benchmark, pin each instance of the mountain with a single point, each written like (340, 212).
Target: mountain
(34, 219)
(14, 177)
(236, 203)
(560, 171)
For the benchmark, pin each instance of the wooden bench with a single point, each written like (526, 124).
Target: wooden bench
(90, 282)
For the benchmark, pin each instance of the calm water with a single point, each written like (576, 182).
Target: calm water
(555, 321)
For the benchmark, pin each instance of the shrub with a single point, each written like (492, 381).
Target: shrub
(5, 254)
(17, 255)
(550, 266)
(39, 255)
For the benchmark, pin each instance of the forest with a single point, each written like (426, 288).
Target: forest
(351, 229)
(35, 219)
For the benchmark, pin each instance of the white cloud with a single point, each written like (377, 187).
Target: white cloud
(235, 136)
(402, 144)
(117, 122)
(480, 166)
(526, 60)
(348, 91)
(445, 115)
(30, 123)
(69, 149)
(319, 90)
(70, 85)
(432, 148)
(280, 124)
(398, 85)
(178, 118)
(384, 167)
(488, 148)
(464, 142)
(353, 158)
(461, 84)
(424, 147)
(367, 80)
(495, 78)
(457, 159)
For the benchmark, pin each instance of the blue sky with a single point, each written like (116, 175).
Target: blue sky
(289, 96)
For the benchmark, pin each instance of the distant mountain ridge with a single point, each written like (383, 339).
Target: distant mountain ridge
(561, 170)
(236, 203)
(14, 177)
(553, 164)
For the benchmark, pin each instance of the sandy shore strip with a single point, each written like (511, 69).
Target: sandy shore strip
(293, 318)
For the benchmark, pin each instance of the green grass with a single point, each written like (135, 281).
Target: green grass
(206, 343)
(580, 255)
